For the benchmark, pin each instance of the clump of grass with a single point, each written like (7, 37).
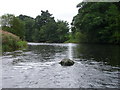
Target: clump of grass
(21, 44)
(11, 42)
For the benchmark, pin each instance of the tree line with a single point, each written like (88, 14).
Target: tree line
(97, 22)
(43, 28)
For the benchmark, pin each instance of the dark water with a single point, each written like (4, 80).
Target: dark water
(96, 66)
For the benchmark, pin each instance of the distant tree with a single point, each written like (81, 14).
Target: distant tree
(43, 28)
(62, 31)
(13, 24)
(50, 30)
(6, 20)
(43, 19)
(45, 24)
(29, 26)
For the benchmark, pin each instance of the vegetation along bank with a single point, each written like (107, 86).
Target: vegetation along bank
(11, 42)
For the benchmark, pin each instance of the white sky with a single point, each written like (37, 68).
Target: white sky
(61, 9)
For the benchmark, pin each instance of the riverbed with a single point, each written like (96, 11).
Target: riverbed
(96, 66)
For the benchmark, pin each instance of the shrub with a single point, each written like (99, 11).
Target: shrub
(21, 44)
(11, 42)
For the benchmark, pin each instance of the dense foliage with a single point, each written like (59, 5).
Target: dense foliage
(97, 23)
(43, 28)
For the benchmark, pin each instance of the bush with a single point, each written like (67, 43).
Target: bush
(11, 42)
(21, 44)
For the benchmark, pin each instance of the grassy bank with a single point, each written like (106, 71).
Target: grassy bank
(11, 42)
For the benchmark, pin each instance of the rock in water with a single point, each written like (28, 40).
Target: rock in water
(67, 62)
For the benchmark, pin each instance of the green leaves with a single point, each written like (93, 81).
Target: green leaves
(99, 22)
(44, 28)
(13, 24)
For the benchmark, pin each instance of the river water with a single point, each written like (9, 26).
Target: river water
(96, 66)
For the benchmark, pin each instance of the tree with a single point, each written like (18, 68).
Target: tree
(13, 24)
(45, 24)
(29, 26)
(43, 19)
(97, 22)
(62, 31)
(43, 28)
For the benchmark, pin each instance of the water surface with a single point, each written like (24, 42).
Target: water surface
(96, 66)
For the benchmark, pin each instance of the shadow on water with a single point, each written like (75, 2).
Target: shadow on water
(103, 53)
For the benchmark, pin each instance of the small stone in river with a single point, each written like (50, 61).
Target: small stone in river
(66, 62)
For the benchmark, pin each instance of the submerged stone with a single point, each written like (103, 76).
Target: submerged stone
(66, 62)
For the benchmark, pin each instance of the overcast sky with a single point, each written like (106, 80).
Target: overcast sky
(61, 9)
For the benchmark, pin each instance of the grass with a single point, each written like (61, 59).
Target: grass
(11, 42)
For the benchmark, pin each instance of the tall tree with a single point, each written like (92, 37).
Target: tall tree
(29, 26)
(46, 26)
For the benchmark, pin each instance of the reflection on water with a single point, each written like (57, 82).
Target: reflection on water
(103, 53)
(70, 51)
(96, 66)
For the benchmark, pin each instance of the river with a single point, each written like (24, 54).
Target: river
(96, 66)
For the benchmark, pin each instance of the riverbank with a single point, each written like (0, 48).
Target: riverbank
(11, 42)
